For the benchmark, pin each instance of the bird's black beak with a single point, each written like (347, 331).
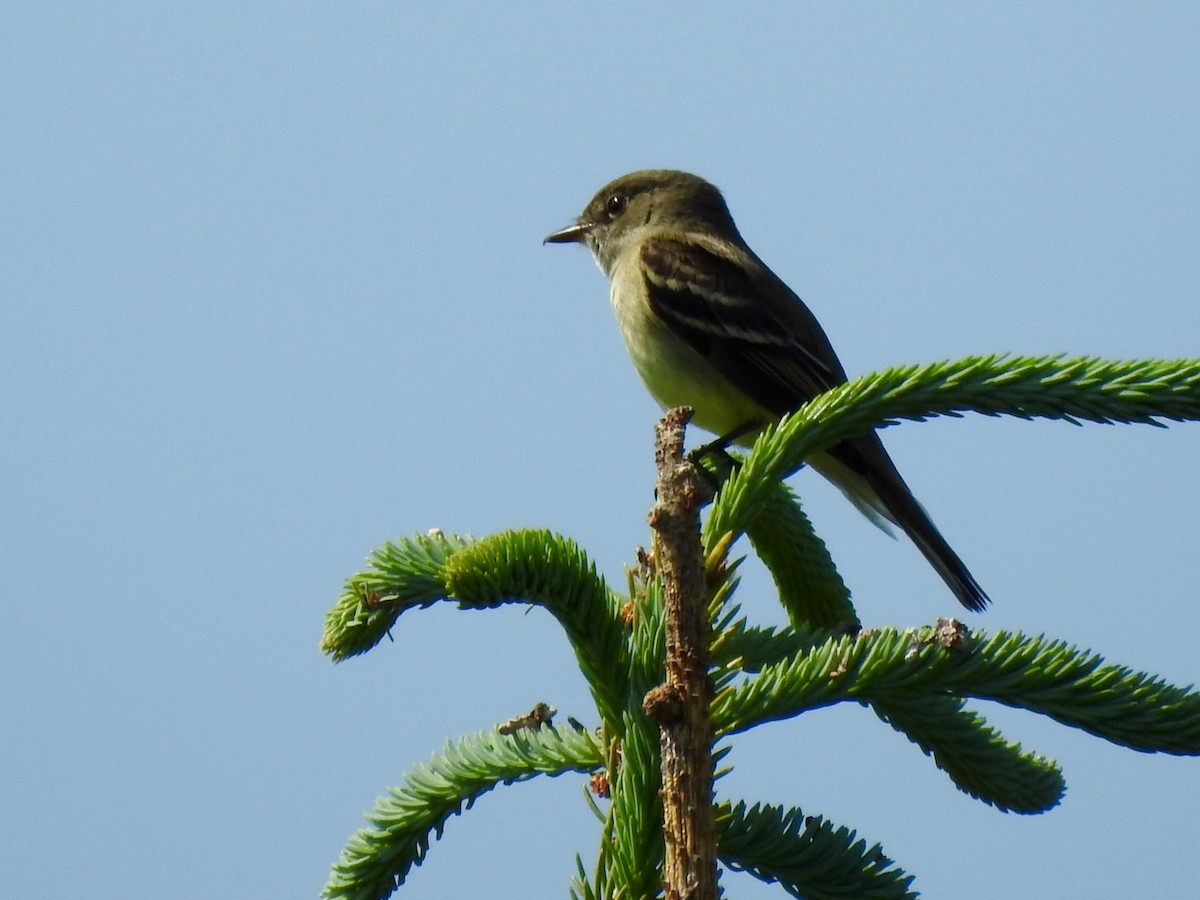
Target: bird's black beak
(572, 234)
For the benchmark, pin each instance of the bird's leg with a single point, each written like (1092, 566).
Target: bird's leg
(714, 460)
(720, 446)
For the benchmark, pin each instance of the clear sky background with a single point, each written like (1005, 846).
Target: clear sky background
(272, 291)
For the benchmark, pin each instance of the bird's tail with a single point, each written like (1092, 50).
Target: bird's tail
(864, 472)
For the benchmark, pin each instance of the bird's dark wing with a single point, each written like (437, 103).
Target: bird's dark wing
(771, 348)
(757, 333)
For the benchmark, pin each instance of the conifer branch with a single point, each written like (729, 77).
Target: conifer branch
(1054, 387)
(377, 860)
(807, 856)
(1074, 687)
(976, 757)
(524, 566)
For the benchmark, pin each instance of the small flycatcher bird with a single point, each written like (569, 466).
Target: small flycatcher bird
(709, 326)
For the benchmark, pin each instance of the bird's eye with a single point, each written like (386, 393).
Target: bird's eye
(615, 205)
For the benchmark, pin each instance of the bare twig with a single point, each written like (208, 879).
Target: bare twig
(681, 704)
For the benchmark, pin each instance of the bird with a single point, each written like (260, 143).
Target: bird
(708, 325)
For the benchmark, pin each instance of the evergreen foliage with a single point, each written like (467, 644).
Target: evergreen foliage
(920, 681)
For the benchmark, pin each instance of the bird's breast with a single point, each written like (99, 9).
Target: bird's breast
(673, 372)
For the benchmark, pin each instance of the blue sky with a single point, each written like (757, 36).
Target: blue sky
(272, 291)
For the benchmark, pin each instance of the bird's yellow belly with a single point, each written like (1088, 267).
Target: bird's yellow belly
(676, 375)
